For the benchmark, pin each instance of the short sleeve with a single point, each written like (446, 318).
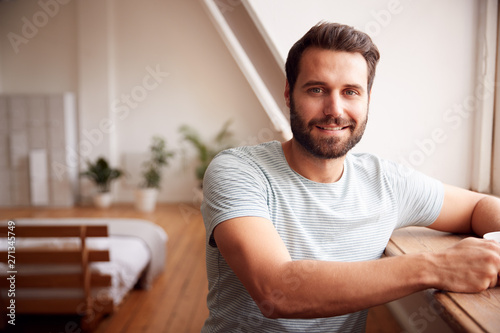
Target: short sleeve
(232, 187)
(420, 197)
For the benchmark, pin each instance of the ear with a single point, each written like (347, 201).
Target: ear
(287, 94)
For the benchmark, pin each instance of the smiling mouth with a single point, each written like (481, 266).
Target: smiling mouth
(331, 128)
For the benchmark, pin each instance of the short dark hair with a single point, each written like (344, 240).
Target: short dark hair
(335, 37)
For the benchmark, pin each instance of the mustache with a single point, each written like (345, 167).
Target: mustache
(329, 120)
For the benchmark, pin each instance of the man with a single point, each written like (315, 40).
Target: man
(295, 231)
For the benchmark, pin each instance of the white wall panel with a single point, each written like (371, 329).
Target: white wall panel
(38, 132)
(39, 180)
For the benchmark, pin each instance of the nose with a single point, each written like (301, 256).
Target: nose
(333, 106)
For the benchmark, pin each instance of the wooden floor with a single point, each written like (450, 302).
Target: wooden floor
(177, 301)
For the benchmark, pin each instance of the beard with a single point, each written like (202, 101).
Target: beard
(325, 148)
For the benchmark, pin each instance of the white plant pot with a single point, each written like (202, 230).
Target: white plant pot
(145, 199)
(103, 200)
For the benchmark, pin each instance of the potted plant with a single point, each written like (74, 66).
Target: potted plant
(146, 195)
(102, 175)
(207, 150)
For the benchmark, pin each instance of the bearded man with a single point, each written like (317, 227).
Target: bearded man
(296, 230)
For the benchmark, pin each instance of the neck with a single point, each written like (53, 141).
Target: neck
(311, 167)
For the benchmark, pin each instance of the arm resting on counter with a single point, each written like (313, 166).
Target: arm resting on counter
(468, 212)
(283, 288)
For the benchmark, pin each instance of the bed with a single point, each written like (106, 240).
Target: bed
(77, 265)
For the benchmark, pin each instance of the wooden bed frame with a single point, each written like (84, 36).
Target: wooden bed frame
(91, 309)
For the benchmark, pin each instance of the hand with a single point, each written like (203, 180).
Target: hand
(472, 265)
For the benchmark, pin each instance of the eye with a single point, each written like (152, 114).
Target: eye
(316, 90)
(351, 92)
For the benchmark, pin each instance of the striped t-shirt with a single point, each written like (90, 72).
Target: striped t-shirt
(349, 220)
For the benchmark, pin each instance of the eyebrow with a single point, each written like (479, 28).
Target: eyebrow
(313, 83)
(322, 83)
(355, 86)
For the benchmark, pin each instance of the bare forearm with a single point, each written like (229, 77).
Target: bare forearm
(486, 216)
(312, 289)
(466, 211)
(283, 288)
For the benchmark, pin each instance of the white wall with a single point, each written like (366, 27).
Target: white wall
(1, 73)
(420, 110)
(106, 52)
(103, 50)
(39, 53)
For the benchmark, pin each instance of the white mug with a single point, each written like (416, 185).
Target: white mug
(493, 236)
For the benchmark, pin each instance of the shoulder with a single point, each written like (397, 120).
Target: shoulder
(362, 159)
(384, 173)
(249, 156)
(370, 163)
(246, 161)
(366, 163)
(261, 151)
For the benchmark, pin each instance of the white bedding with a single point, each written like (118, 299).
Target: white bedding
(129, 257)
(152, 234)
(136, 246)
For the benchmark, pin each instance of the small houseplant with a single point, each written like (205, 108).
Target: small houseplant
(147, 193)
(102, 175)
(207, 150)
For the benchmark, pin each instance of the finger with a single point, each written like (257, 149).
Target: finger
(494, 282)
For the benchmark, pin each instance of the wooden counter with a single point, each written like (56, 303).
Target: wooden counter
(478, 312)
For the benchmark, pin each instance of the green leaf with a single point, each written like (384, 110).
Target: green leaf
(207, 150)
(101, 174)
(159, 158)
